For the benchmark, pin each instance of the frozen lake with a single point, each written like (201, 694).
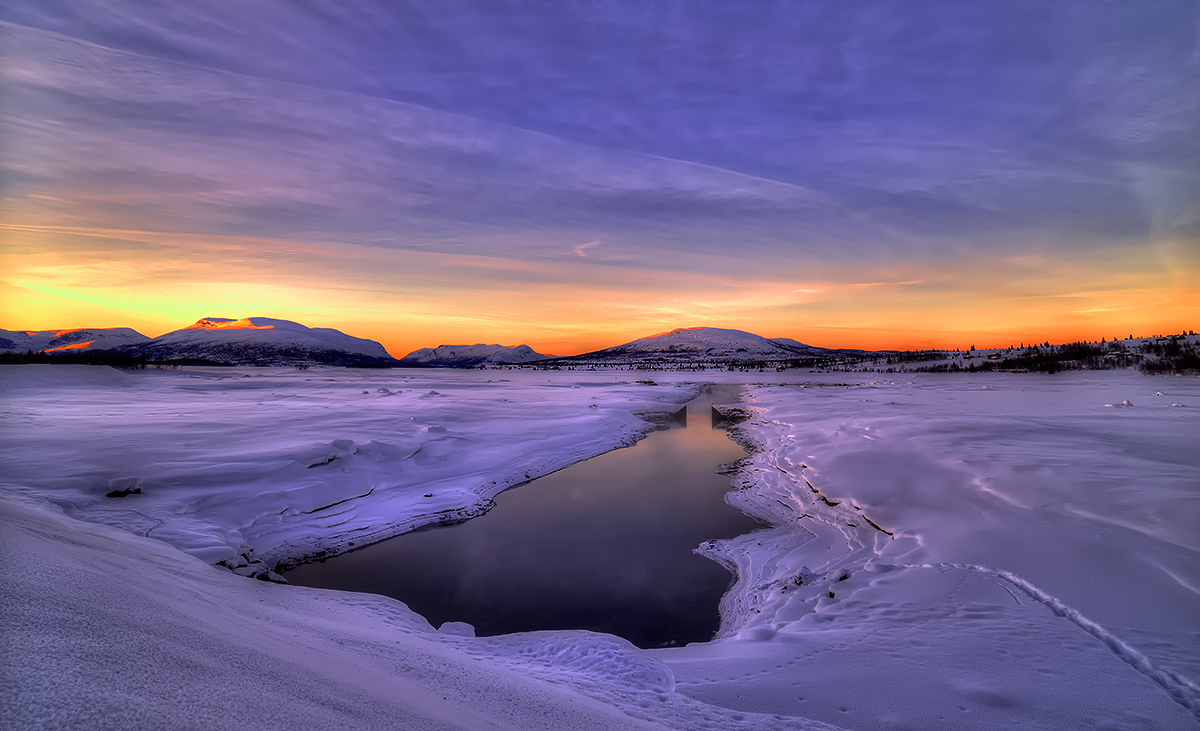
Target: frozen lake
(942, 551)
(604, 545)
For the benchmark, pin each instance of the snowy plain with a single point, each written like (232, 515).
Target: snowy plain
(945, 551)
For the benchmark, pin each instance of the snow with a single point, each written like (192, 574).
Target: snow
(459, 356)
(945, 552)
(21, 341)
(279, 464)
(105, 630)
(1034, 563)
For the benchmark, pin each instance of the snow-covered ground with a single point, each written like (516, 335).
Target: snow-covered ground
(284, 464)
(947, 551)
(1008, 550)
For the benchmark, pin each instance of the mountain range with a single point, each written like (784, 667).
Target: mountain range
(66, 341)
(211, 340)
(267, 341)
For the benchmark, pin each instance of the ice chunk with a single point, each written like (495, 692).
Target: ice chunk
(458, 629)
(122, 486)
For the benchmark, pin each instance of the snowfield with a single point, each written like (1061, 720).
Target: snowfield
(945, 551)
(278, 465)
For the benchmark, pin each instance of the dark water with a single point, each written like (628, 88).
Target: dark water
(604, 545)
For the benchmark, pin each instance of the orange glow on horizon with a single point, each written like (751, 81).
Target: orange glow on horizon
(73, 346)
(410, 299)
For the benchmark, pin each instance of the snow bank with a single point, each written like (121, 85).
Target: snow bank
(950, 552)
(105, 630)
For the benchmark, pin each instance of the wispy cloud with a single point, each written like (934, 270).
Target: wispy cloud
(862, 182)
(582, 249)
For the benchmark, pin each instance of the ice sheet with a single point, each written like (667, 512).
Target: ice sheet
(275, 465)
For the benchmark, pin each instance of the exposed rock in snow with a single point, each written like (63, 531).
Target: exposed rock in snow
(68, 341)
(469, 356)
(262, 341)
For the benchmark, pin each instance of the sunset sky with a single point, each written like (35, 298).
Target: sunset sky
(573, 175)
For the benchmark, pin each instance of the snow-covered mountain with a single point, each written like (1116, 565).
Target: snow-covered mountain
(703, 345)
(799, 347)
(262, 341)
(466, 356)
(68, 341)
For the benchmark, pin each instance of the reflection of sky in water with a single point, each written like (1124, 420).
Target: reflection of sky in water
(605, 545)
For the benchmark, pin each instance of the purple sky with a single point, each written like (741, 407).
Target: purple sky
(826, 171)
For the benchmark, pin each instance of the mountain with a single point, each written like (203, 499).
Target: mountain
(261, 341)
(467, 356)
(699, 345)
(68, 341)
(799, 347)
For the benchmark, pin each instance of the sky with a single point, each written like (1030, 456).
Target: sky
(577, 174)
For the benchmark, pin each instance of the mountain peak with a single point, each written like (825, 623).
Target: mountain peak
(701, 345)
(468, 356)
(262, 341)
(225, 323)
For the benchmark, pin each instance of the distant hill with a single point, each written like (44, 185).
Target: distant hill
(469, 356)
(260, 341)
(68, 341)
(699, 345)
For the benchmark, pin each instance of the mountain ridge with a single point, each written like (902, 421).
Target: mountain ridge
(68, 340)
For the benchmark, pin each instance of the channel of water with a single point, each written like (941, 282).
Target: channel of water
(604, 545)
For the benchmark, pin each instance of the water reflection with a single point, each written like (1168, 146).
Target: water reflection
(604, 545)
